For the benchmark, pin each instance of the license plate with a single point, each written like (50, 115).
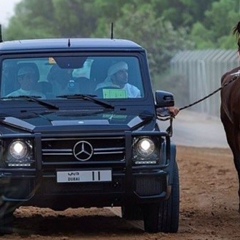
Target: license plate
(84, 176)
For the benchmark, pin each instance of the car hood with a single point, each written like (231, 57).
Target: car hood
(73, 121)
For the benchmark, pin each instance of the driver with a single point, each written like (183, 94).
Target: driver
(118, 77)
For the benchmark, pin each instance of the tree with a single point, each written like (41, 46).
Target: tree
(182, 13)
(157, 35)
(216, 28)
(52, 18)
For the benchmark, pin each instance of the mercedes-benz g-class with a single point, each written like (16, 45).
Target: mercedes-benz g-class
(79, 128)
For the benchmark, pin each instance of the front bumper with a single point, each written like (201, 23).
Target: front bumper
(129, 184)
(46, 192)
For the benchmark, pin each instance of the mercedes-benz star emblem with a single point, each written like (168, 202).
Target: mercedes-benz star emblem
(82, 150)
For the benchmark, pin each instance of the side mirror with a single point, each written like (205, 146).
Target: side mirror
(164, 99)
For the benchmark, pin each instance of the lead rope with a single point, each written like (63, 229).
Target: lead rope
(209, 95)
(170, 117)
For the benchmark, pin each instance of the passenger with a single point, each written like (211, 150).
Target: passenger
(61, 80)
(27, 80)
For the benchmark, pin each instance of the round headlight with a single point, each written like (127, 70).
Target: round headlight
(145, 147)
(18, 149)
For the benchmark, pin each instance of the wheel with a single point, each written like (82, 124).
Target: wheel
(169, 209)
(164, 217)
(151, 218)
(6, 217)
(131, 212)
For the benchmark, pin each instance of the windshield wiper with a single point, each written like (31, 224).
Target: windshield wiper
(87, 97)
(34, 99)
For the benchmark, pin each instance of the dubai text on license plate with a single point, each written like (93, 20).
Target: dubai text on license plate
(84, 176)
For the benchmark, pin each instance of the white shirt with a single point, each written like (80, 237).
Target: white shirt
(131, 90)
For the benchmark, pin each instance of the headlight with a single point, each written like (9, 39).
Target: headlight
(145, 147)
(18, 150)
(145, 151)
(20, 153)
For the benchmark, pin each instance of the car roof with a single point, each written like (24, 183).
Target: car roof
(69, 44)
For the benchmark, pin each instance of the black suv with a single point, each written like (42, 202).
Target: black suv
(73, 136)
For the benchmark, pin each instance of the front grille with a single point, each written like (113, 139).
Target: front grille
(61, 150)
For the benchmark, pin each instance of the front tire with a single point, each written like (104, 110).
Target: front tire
(131, 212)
(164, 217)
(6, 217)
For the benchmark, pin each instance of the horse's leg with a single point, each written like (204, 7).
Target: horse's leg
(236, 158)
(233, 138)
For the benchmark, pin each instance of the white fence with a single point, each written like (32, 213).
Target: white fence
(203, 70)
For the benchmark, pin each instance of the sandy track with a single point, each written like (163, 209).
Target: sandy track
(208, 207)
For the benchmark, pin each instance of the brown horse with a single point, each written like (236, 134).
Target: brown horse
(230, 110)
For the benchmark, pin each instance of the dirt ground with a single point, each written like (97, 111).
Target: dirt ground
(208, 207)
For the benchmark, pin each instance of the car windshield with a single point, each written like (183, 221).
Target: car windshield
(50, 76)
